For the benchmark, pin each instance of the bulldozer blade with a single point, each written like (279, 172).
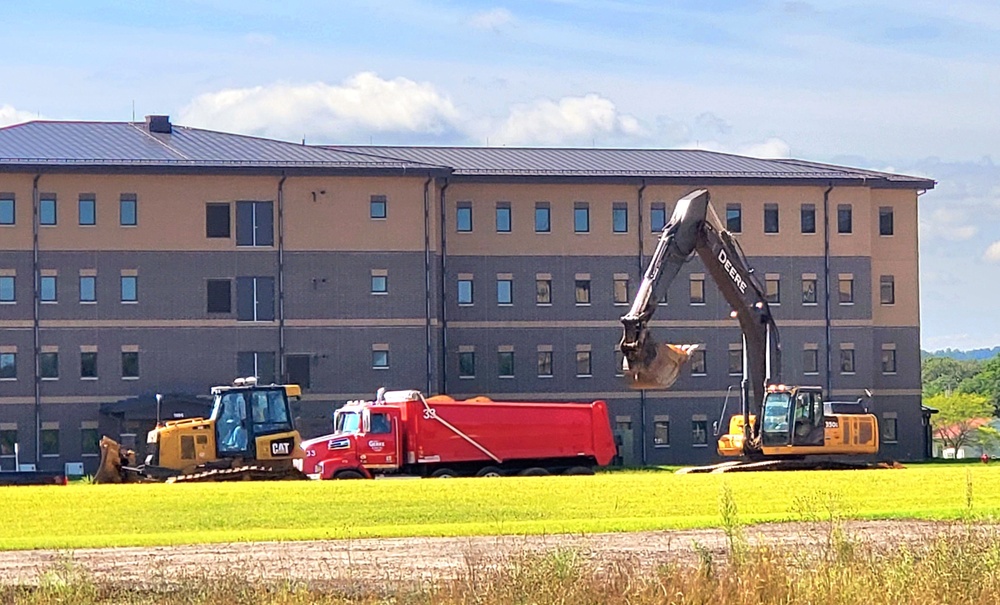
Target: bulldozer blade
(110, 470)
(659, 371)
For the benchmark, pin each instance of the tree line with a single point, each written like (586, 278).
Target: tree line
(964, 392)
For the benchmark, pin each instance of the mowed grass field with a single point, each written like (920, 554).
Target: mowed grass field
(81, 515)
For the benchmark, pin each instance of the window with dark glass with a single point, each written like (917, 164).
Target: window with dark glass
(49, 364)
(697, 290)
(128, 212)
(87, 209)
(380, 360)
(735, 362)
(808, 291)
(621, 291)
(219, 296)
(8, 438)
(619, 217)
(844, 219)
(885, 220)
(467, 364)
(734, 218)
(505, 364)
(8, 366)
(378, 206)
(254, 224)
(88, 364)
(847, 361)
(297, 368)
(50, 442)
(810, 361)
(463, 218)
(699, 432)
(255, 298)
(770, 218)
(545, 363)
(583, 291)
(7, 215)
(619, 363)
(542, 218)
(889, 429)
(47, 211)
(888, 361)
(256, 363)
(661, 433)
(90, 442)
(887, 289)
(130, 365)
(846, 290)
(657, 217)
(583, 363)
(772, 290)
(543, 291)
(581, 217)
(503, 217)
(808, 217)
(217, 222)
(698, 367)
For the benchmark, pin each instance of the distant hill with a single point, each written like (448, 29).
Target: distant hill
(974, 354)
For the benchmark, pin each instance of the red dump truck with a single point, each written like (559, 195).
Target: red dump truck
(402, 433)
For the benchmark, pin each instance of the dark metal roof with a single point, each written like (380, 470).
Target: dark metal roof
(666, 163)
(131, 144)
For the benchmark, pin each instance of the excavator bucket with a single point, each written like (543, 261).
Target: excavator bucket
(113, 459)
(659, 368)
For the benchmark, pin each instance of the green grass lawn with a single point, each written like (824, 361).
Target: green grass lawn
(81, 515)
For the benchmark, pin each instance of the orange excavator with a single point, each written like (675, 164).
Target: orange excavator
(777, 423)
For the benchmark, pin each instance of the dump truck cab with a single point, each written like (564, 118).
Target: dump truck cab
(367, 435)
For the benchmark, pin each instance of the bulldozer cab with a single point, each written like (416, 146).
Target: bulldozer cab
(242, 414)
(793, 416)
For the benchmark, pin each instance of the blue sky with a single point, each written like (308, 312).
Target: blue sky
(911, 87)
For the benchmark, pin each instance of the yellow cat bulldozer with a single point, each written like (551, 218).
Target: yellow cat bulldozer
(250, 435)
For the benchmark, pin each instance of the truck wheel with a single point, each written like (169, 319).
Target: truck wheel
(489, 471)
(535, 471)
(444, 473)
(579, 470)
(349, 475)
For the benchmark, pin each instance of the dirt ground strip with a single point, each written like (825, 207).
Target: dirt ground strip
(426, 559)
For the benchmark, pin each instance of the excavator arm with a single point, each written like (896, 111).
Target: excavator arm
(651, 365)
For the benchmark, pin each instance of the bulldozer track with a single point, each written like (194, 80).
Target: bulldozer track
(251, 472)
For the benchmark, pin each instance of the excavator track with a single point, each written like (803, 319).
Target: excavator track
(251, 472)
(786, 465)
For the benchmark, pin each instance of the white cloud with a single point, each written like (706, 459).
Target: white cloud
(992, 253)
(9, 115)
(949, 224)
(586, 120)
(351, 112)
(492, 19)
(772, 148)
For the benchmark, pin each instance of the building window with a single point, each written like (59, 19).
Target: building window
(47, 211)
(734, 218)
(543, 217)
(846, 361)
(657, 217)
(88, 364)
(698, 362)
(48, 288)
(503, 217)
(7, 289)
(619, 362)
(543, 291)
(885, 220)
(581, 217)
(583, 368)
(467, 364)
(219, 294)
(699, 432)
(888, 428)
(619, 217)
(583, 291)
(505, 364)
(378, 207)
(844, 220)
(251, 363)
(810, 361)
(380, 359)
(7, 209)
(254, 224)
(735, 361)
(808, 217)
(87, 207)
(297, 370)
(887, 290)
(465, 291)
(888, 361)
(621, 296)
(50, 442)
(8, 438)
(772, 290)
(90, 442)
(697, 289)
(380, 284)
(49, 364)
(545, 363)
(661, 433)
(846, 290)
(130, 366)
(255, 298)
(128, 213)
(8, 366)
(130, 288)
(770, 218)
(217, 220)
(88, 288)
(809, 290)
(463, 218)
(505, 291)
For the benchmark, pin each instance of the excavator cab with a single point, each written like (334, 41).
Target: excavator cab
(792, 417)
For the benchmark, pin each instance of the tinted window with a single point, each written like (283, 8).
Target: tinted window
(217, 220)
(808, 218)
(127, 211)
